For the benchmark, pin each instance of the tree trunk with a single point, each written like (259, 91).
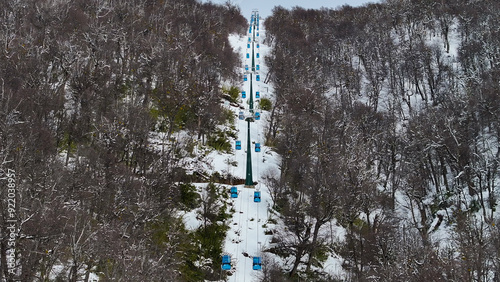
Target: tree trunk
(301, 248)
(313, 248)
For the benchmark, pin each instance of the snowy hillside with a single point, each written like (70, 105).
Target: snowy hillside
(246, 238)
(249, 222)
(183, 141)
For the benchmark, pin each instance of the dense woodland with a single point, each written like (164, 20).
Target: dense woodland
(83, 86)
(387, 118)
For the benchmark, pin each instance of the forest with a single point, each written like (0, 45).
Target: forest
(86, 89)
(386, 118)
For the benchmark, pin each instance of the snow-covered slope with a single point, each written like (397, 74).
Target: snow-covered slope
(246, 238)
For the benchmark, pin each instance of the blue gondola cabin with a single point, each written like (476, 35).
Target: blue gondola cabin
(246, 67)
(257, 147)
(258, 56)
(258, 45)
(257, 67)
(249, 39)
(241, 116)
(243, 94)
(248, 55)
(257, 94)
(234, 192)
(257, 77)
(257, 116)
(256, 196)
(257, 263)
(245, 78)
(226, 262)
(238, 143)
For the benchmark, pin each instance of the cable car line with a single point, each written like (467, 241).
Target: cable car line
(250, 115)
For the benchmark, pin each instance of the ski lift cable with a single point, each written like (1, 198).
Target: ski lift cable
(248, 136)
(258, 186)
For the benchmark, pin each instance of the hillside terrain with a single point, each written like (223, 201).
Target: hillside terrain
(379, 138)
(387, 120)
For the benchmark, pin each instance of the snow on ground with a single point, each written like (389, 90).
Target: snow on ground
(247, 235)
(59, 271)
(247, 238)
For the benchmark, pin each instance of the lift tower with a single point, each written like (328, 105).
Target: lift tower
(251, 117)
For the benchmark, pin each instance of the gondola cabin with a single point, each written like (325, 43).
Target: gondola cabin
(258, 56)
(256, 196)
(238, 144)
(257, 147)
(257, 94)
(257, 263)
(257, 116)
(257, 34)
(248, 45)
(243, 94)
(249, 39)
(246, 67)
(245, 78)
(258, 45)
(241, 116)
(248, 55)
(226, 262)
(257, 67)
(257, 77)
(234, 192)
